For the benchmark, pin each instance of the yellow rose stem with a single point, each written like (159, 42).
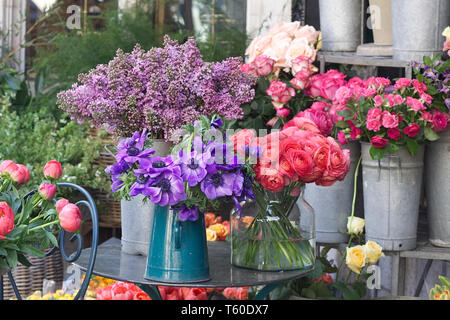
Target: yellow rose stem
(355, 184)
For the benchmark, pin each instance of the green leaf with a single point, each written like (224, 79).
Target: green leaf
(23, 260)
(11, 258)
(342, 124)
(32, 251)
(430, 134)
(377, 153)
(412, 146)
(52, 238)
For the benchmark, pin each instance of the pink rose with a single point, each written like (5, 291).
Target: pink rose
(440, 121)
(412, 130)
(320, 118)
(280, 93)
(394, 133)
(325, 85)
(283, 112)
(427, 116)
(419, 86)
(249, 69)
(356, 133)
(320, 105)
(70, 217)
(300, 80)
(53, 169)
(302, 63)
(341, 138)
(263, 65)
(377, 82)
(379, 142)
(426, 98)
(47, 191)
(378, 100)
(374, 119)
(300, 47)
(402, 83)
(389, 120)
(415, 104)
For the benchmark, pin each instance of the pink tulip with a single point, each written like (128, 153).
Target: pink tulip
(53, 169)
(70, 217)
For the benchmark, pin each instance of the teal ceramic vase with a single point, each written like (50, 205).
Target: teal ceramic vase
(178, 251)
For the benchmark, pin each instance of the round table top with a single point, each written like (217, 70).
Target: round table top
(112, 263)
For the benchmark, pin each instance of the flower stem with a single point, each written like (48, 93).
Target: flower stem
(44, 225)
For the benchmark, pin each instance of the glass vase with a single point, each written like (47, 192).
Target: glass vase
(271, 234)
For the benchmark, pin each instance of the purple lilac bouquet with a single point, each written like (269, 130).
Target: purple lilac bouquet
(159, 90)
(202, 170)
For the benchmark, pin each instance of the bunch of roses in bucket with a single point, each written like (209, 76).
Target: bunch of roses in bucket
(282, 59)
(160, 90)
(388, 115)
(29, 224)
(288, 159)
(201, 171)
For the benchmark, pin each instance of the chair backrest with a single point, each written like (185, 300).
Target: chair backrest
(91, 207)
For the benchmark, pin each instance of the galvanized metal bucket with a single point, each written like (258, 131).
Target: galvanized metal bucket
(392, 189)
(137, 217)
(437, 189)
(178, 251)
(340, 24)
(417, 27)
(333, 204)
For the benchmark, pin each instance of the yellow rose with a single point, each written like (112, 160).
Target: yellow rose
(221, 231)
(355, 225)
(211, 235)
(356, 258)
(373, 252)
(446, 32)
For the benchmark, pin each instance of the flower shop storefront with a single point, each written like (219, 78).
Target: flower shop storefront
(309, 166)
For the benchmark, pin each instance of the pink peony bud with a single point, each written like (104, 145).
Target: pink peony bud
(60, 204)
(5, 165)
(47, 191)
(17, 172)
(53, 169)
(6, 219)
(70, 217)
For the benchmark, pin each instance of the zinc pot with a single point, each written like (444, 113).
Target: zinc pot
(381, 21)
(437, 189)
(417, 27)
(340, 24)
(137, 217)
(178, 251)
(392, 189)
(333, 204)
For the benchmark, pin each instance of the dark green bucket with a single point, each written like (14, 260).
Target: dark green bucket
(178, 251)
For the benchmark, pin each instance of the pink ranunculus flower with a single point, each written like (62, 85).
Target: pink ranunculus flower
(378, 142)
(263, 65)
(305, 124)
(60, 204)
(53, 169)
(47, 190)
(70, 217)
(389, 120)
(412, 130)
(6, 220)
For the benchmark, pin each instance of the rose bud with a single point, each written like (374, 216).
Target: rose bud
(53, 169)
(60, 204)
(47, 191)
(355, 225)
(70, 217)
(6, 219)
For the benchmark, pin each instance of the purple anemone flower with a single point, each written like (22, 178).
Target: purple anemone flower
(117, 169)
(222, 157)
(155, 166)
(142, 184)
(131, 149)
(193, 167)
(185, 213)
(219, 184)
(168, 189)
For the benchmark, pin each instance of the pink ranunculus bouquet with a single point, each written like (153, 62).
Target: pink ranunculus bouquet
(387, 115)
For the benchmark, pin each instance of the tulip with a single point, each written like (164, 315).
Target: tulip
(53, 169)
(47, 191)
(70, 217)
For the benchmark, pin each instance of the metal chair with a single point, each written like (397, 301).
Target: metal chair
(91, 207)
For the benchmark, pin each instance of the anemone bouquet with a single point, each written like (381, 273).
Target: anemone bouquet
(201, 171)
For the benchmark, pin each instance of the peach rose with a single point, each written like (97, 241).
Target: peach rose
(309, 33)
(220, 230)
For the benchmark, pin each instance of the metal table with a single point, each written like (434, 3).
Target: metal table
(112, 263)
